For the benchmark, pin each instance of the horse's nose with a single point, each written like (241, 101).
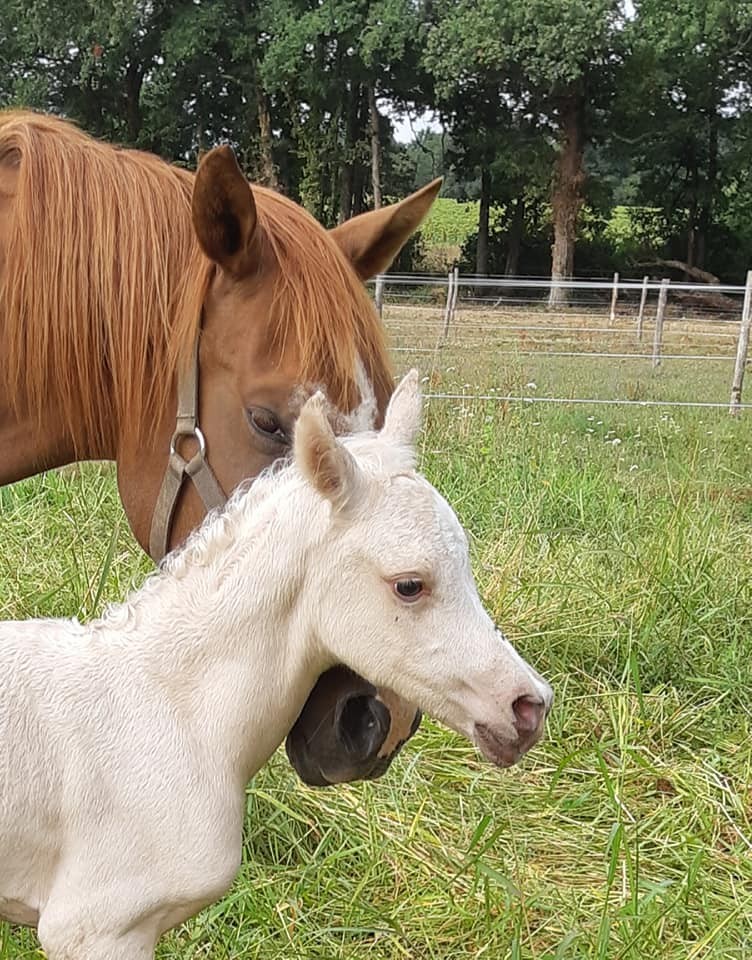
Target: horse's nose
(362, 724)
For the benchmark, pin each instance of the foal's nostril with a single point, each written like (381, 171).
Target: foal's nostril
(528, 713)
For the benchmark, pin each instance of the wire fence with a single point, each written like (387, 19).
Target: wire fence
(607, 341)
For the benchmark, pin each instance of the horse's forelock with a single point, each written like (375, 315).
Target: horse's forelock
(321, 306)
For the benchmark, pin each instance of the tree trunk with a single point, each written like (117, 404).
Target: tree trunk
(346, 170)
(690, 272)
(373, 116)
(268, 170)
(514, 238)
(200, 141)
(691, 241)
(374, 126)
(705, 216)
(345, 191)
(694, 179)
(133, 79)
(566, 199)
(361, 186)
(481, 254)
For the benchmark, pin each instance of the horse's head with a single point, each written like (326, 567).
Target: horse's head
(283, 311)
(390, 586)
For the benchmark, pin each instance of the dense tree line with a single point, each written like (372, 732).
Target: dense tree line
(554, 112)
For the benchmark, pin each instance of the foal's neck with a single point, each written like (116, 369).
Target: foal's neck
(226, 634)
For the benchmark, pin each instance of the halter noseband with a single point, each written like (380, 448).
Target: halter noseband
(196, 469)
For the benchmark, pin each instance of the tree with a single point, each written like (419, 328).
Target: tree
(550, 61)
(389, 48)
(687, 87)
(656, 105)
(332, 62)
(85, 60)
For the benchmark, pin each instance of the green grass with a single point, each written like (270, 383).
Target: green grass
(624, 572)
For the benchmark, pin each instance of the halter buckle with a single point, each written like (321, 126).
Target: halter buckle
(197, 434)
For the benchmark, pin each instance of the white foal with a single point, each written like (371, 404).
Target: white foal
(126, 744)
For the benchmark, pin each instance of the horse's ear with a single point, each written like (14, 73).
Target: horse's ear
(224, 212)
(403, 415)
(372, 240)
(322, 459)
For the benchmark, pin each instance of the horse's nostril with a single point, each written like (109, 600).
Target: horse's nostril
(362, 725)
(528, 713)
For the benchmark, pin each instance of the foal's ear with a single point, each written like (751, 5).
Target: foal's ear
(322, 459)
(224, 212)
(403, 415)
(372, 240)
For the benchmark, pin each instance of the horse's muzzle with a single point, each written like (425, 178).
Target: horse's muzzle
(340, 731)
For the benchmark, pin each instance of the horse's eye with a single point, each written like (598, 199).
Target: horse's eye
(266, 423)
(409, 590)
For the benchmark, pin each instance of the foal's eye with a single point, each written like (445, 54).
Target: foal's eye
(409, 589)
(266, 423)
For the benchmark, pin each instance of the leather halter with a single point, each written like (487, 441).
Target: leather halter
(196, 469)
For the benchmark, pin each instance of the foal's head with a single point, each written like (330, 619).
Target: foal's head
(398, 603)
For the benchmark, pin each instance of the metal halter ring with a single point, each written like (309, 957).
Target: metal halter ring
(197, 435)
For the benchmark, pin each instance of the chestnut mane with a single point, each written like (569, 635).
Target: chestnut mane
(103, 282)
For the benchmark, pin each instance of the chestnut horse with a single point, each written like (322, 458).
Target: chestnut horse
(175, 323)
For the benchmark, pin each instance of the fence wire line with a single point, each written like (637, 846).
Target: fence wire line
(464, 318)
(634, 286)
(607, 402)
(467, 345)
(480, 327)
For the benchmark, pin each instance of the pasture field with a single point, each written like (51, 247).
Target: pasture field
(614, 545)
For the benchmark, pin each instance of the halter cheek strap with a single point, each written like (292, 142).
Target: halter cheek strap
(196, 469)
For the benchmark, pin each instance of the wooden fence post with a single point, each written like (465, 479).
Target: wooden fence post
(660, 312)
(455, 291)
(448, 306)
(614, 298)
(380, 295)
(641, 314)
(742, 347)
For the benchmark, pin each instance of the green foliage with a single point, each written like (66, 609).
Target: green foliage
(691, 62)
(449, 221)
(623, 239)
(545, 45)
(660, 99)
(635, 232)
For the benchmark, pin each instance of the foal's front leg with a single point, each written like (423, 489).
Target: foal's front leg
(77, 936)
(102, 948)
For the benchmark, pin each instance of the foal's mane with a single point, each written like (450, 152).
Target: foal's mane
(103, 282)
